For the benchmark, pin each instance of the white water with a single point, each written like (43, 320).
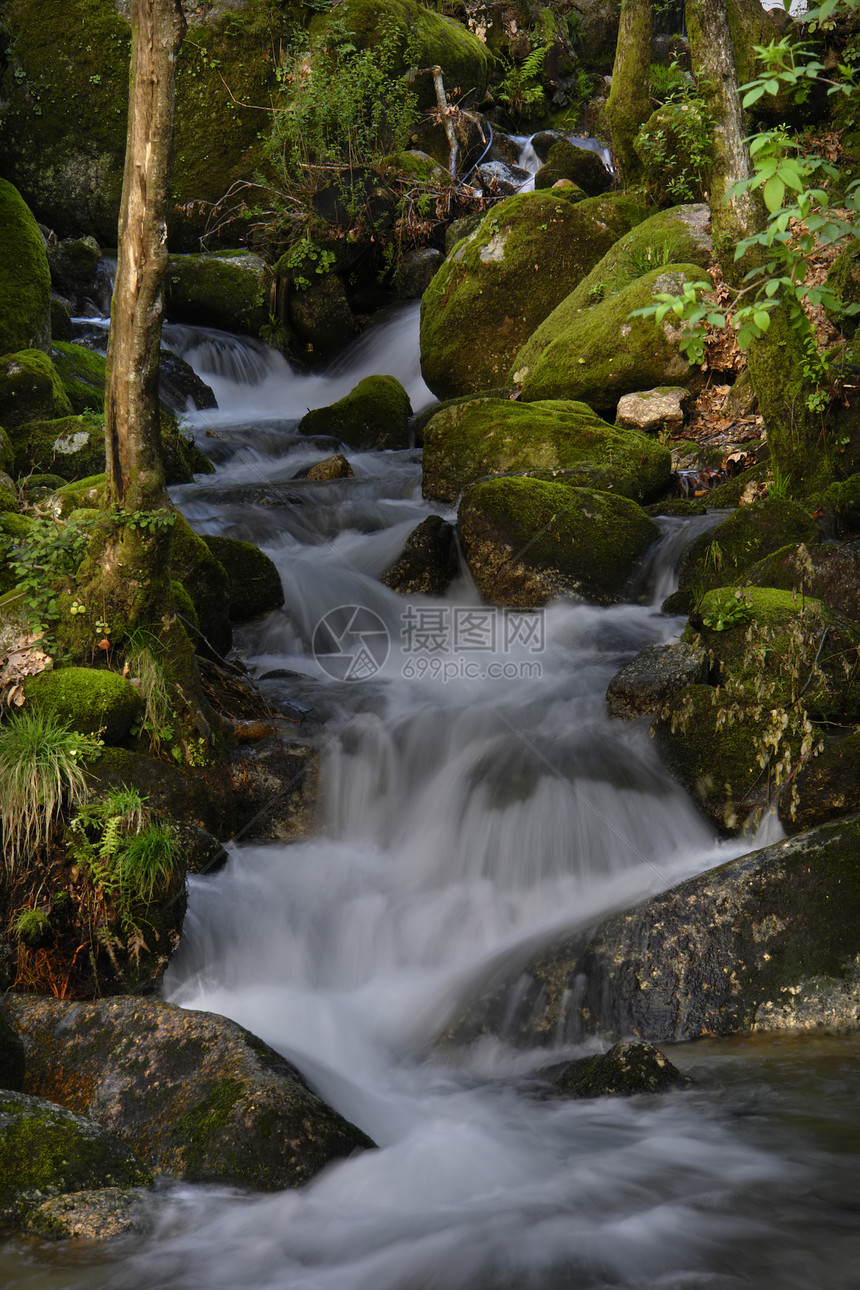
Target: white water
(467, 820)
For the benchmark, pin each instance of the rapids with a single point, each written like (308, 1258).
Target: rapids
(476, 802)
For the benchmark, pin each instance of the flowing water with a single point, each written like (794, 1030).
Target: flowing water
(476, 803)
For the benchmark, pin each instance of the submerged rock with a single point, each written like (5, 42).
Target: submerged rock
(196, 1095)
(624, 1071)
(527, 541)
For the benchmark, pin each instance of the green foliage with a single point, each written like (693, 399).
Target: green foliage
(31, 925)
(129, 857)
(521, 87)
(51, 550)
(40, 773)
(143, 521)
(675, 146)
(727, 608)
(305, 257)
(667, 82)
(159, 720)
(689, 308)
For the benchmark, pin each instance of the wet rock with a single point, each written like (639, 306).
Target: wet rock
(74, 262)
(626, 1070)
(179, 386)
(321, 316)
(500, 178)
(658, 411)
(99, 1215)
(498, 285)
(227, 289)
(12, 1059)
(197, 1096)
(466, 441)
(649, 680)
(417, 270)
(827, 787)
(253, 582)
(374, 415)
(829, 572)
(94, 701)
(30, 389)
(334, 467)
(275, 788)
(580, 165)
(527, 541)
(46, 1150)
(428, 562)
(205, 579)
(198, 796)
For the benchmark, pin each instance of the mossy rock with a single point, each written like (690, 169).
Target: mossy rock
(30, 389)
(321, 316)
(841, 504)
(7, 452)
(716, 762)
(602, 353)
(74, 263)
(829, 572)
(420, 165)
(843, 279)
(180, 454)
(206, 581)
(61, 321)
(93, 701)
(503, 280)
(25, 281)
(253, 582)
(82, 373)
(674, 171)
(184, 606)
(680, 234)
(467, 441)
(13, 527)
(373, 415)
(723, 554)
(198, 796)
(15, 623)
(527, 541)
(228, 289)
(70, 446)
(101, 1214)
(46, 1150)
(626, 1070)
(80, 494)
(13, 1061)
(580, 165)
(8, 493)
(827, 786)
(428, 563)
(425, 38)
(196, 1095)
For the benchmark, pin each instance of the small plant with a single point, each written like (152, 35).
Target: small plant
(725, 609)
(521, 88)
(129, 857)
(40, 773)
(50, 551)
(158, 722)
(31, 926)
(675, 147)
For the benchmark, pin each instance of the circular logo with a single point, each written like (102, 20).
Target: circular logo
(351, 643)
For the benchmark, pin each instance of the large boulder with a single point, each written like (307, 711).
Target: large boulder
(230, 289)
(766, 942)
(603, 353)
(644, 686)
(504, 279)
(47, 1150)
(196, 1095)
(71, 447)
(30, 389)
(25, 282)
(527, 541)
(74, 265)
(206, 582)
(373, 415)
(466, 441)
(253, 582)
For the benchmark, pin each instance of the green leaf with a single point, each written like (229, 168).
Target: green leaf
(762, 319)
(774, 192)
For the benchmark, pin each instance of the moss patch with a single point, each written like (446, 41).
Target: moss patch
(69, 447)
(721, 555)
(30, 388)
(227, 290)
(82, 373)
(90, 700)
(25, 282)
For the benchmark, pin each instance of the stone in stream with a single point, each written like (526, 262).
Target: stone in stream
(624, 1071)
(648, 681)
(373, 415)
(428, 562)
(100, 1214)
(195, 1095)
(334, 467)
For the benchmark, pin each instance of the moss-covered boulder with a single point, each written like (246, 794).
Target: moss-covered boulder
(30, 388)
(230, 289)
(424, 38)
(7, 451)
(723, 554)
(674, 151)
(79, 494)
(527, 541)
(82, 373)
(320, 315)
(467, 441)
(373, 415)
(196, 1095)
(842, 506)
(504, 279)
(566, 161)
(25, 282)
(829, 572)
(198, 796)
(253, 582)
(626, 1070)
(65, 92)
(101, 1214)
(71, 446)
(205, 579)
(92, 700)
(46, 1150)
(603, 353)
(8, 494)
(843, 279)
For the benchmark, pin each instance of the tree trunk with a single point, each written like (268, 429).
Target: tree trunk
(135, 473)
(629, 103)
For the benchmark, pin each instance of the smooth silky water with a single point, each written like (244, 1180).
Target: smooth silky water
(476, 804)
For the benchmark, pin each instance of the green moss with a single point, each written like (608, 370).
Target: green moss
(90, 700)
(46, 1150)
(220, 290)
(194, 1130)
(69, 447)
(721, 555)
(12, 527)
(842, 505)
(205, 580)
(84, 493)
(184, 606)
(581, 166)
(30, 388)
(7, 451)
(373, 415)
(25, 282)
(466, 441)
(182, 458)
(602, 353)
(8, 493)
(501, 282)
(82, 373)
(527, 540)
(420, 165)
(253, 582)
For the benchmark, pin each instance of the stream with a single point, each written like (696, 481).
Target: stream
(476, 803)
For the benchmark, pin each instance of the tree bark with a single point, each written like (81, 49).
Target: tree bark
(135, 473)
(629, 102)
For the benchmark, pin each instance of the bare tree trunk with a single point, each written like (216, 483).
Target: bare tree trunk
(135, 473)
(629, 103)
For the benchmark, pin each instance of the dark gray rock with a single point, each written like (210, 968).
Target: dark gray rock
(253, 582)
(625, 1070)
(197, 1096)
(650, 679)
(12, 1059)
(416, 271)
(428, 562)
